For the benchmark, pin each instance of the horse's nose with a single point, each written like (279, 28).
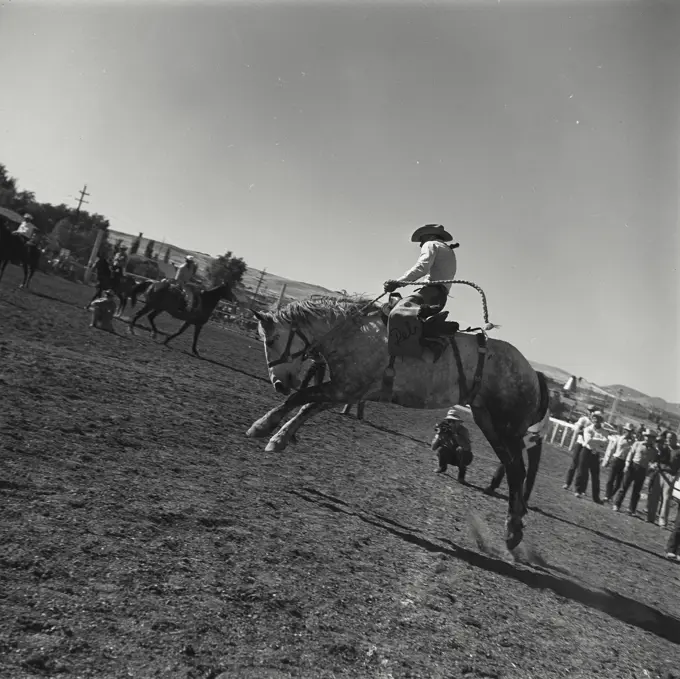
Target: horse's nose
(280, 387)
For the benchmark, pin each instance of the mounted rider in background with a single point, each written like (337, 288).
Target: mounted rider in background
(437, 262)
(183, 276)
(26, 231)
(120, 262)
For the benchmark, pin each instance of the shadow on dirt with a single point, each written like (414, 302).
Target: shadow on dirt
(599, 534)
(212, 361)
(52, 298)
(385, 430)
(622, 608)
(14, 304)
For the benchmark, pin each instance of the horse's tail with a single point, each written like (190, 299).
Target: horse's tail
(138, 289)
(545, 394)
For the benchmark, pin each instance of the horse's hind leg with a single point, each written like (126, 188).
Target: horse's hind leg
(136, 317)
(154, 329)
(122, 303)
(509, 452)
(185, 325)
(25, 281)
(534, 459)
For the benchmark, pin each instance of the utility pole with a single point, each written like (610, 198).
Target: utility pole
(617, 398)
(257, 289)
(81, 199)
(281, 294)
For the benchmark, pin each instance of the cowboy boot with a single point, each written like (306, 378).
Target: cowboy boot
(438, 326)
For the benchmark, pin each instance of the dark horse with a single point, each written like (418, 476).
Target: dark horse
(164, 296)
(122, 284)
(14, 249)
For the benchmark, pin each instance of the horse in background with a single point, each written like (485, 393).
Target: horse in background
(14, 249)
(164, 296)
(506, 395)
(108, 278)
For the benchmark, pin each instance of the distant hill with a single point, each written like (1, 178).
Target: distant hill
(562, 376)
(271, 283)
(644, 399)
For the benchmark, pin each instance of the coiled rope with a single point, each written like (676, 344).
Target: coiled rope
(358, 313)
(485, 307)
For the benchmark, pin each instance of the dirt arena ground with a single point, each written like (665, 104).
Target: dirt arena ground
(143, 535)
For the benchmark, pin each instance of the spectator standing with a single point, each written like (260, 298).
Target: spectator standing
(594, 442)
(616, 457)
(668, 476)
(673, 544)
(640, 456)
(580, 425)
(656, 473)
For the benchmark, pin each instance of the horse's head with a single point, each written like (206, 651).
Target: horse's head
(286, 348)
(226, 292)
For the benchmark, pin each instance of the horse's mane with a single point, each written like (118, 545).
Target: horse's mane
(331, 308)
(217, 287)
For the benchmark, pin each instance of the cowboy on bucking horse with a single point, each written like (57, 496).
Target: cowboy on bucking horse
(437, 262)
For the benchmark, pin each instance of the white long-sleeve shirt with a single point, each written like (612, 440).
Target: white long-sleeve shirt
(594, 438)
(185, 272)
(641, 454)
(437, 262)
(26, 229)
(619, 450)
(580, 425)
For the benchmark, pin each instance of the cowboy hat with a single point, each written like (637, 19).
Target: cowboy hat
(431, 230)
(628, 427)
(591, 409)
(597, 413)
(189, 258)
(27, 216)
(452, 415)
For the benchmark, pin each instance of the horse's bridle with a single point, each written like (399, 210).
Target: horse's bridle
(286, 356)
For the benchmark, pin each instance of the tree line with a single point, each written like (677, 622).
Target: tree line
(76, 230)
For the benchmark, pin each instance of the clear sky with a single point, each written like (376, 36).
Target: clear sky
(312, 138)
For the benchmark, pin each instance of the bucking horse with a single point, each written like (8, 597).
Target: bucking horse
(505, 394)
(165, 296)
(14, 249)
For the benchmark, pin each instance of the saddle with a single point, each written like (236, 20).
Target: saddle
(190, 301)
(413, 328)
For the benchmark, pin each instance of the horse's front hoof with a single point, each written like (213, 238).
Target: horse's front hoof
(257, 432)
(275, 445)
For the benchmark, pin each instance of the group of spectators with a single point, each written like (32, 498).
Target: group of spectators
(632, 457)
